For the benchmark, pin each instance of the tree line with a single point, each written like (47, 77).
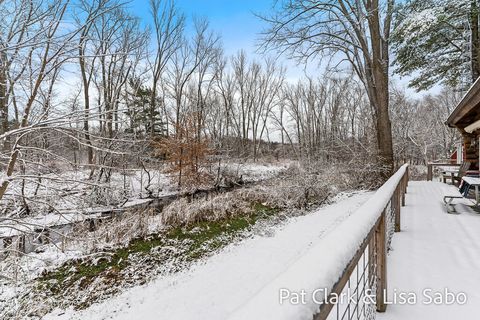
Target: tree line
(138, 87)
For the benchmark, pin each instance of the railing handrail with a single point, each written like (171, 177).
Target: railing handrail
(312, 271)
(396, 198)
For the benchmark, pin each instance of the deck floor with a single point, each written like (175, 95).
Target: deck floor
(436, 251)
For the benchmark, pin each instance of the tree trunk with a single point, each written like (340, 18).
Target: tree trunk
(86, 97)
(378, 83)
(3, 99)
(384, 134)
(474, 45)
(153, 106)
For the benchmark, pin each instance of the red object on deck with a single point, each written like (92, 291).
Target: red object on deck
(454, 156)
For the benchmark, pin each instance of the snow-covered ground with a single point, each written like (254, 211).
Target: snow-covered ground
(435, 251)
(256, 171)
(67, 197)
(218, 287)
(435, 257)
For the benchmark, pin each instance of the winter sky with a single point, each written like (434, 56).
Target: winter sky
(233, 20)
(239, 28)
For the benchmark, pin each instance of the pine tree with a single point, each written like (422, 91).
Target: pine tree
(142, 114)
(438, 42)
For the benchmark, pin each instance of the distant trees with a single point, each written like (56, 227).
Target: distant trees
(330, 118)
(355, 31)
(420, 134)
(437, 41)
(143, 118)
(84, 86)
(258, 90)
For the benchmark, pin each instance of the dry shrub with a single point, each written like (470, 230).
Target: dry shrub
(125, 227)
(187, 153)
(302, 186)
(295, 189)
(182, 212)
(104, 196)
(368, 176)
(115, 231)
(417, 172)
(298, 187)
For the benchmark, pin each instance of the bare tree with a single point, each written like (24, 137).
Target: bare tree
(47, 43)
(92, 11)
(356, 31)
(420, 133)
(168, 26)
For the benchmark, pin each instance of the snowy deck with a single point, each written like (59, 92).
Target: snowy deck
(436, 251)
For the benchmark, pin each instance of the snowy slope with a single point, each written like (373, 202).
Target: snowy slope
(75, 206)
(225, 282)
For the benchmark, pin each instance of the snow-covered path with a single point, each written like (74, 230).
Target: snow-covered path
(216, 288)
(435, 251)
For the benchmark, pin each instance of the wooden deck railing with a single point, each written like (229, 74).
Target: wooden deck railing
(367, 270)
(431, 166)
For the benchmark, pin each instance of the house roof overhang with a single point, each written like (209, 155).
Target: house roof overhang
(468, 109)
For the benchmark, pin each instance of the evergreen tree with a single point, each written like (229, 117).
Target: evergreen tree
(142, 114)
(438, 42)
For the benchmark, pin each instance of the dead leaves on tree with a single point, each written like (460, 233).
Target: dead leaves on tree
(187, 154)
